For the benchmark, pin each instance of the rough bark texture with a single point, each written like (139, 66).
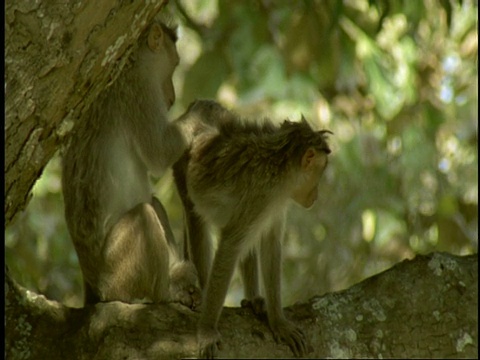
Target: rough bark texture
(58, 57)
(427, 307)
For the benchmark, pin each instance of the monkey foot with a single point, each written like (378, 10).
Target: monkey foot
(190, 297)
(286, 332)
(183, 285)
(257, 304)
(208, 342)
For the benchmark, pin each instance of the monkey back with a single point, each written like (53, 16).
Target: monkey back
(263, 152)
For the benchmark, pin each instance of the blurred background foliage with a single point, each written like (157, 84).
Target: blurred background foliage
(396, 81)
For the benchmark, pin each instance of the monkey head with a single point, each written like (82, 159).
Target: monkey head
(160, 58)
(313, 162)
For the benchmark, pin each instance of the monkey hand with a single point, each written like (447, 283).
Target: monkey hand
(208, 342)
(183, 285)
(257, 304)
(286, 332)
(206, 108)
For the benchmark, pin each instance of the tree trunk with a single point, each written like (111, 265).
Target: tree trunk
(427, 307)
(58, 57)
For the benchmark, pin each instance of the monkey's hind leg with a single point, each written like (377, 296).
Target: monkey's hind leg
(162, 216)
(135, 257)
(250, 275)
(183, 274)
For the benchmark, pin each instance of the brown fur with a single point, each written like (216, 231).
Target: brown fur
(239, 176)
(121, 233)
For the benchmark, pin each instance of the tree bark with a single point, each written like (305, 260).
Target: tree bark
(58, 57)
(425, 307)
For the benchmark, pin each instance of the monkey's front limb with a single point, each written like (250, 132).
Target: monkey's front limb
(282, 329)
(197, 239)
(288, 333)
(223, 266)
(208, 342)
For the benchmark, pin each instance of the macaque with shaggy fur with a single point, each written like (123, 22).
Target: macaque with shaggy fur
(120, 230)
(240, 176)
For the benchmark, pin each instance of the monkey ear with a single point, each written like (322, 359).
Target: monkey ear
(309, 158)
(155, 38)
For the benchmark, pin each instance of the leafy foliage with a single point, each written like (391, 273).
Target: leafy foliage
(394, 80)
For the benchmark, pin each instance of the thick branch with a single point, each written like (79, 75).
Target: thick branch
(426, 307)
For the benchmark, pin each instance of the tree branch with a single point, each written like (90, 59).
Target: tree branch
(200, 29)
(426, 307)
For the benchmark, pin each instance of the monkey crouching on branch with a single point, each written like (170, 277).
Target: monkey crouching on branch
(240, 177)
(121, 232)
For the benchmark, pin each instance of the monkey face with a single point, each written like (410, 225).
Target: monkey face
(161, 43)
(171, 63)
(169, 92)
(312, 167)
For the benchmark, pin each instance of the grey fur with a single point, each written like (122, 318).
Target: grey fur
(239, 176)
(120, 231)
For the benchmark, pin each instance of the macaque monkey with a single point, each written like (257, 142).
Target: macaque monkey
(120, 230)
(240, 177)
